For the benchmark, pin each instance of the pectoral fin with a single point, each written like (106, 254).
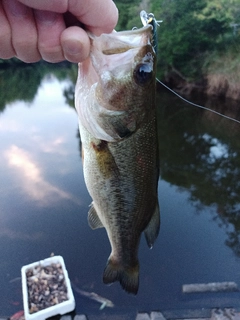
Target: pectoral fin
(152, 229)
(93, 219)
(105, 159)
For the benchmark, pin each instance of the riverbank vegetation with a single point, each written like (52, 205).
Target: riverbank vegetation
(198, 42)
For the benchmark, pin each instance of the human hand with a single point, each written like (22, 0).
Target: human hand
(51, 30)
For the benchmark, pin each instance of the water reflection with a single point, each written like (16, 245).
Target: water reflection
(20, 82)
(33, 182)
(44, 202)
(200, 153)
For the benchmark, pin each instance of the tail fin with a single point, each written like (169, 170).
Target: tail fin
(127, 276)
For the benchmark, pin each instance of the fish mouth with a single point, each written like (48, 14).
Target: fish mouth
(109, 51)
(116, 50)
(121, 66)
(122, 41)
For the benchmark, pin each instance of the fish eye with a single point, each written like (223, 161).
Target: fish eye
(143, 74)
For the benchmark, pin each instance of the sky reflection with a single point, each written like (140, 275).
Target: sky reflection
(44, 205)
(34, 138)
(32, 179)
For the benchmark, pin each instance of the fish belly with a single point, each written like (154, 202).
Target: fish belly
(122, 178)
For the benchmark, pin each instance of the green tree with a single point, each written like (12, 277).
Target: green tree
(189, 30)
(125, 8)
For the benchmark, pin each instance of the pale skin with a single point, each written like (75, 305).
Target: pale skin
(52, 30)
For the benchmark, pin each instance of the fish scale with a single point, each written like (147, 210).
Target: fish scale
(115, 101)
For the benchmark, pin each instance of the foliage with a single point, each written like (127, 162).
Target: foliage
(128, 14)
(190, 30)
(193, 33)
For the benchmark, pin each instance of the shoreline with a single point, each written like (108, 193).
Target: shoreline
(212, 85)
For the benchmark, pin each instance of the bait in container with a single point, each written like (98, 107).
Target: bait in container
(46, 289)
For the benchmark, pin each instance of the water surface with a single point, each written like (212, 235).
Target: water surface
(44, 201)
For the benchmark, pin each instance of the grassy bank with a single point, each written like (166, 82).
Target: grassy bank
(222, 72)
(218, 73)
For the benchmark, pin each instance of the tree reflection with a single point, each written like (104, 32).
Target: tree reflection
(69, 92)
(199, 151)
(20, 81)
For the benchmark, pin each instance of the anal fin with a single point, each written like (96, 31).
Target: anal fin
(93, 219)
(152, 230)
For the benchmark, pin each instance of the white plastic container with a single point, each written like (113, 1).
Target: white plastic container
(60, 308)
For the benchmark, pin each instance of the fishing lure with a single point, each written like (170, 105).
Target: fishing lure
(148, 18)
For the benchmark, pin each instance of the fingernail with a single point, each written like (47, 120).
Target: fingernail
(72, 47)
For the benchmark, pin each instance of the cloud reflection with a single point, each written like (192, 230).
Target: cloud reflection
(19, 235)
(51, 146)
(32, 180)
(10, 126)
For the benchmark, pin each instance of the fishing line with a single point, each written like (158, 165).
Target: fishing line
(149, 19)
(197, 105)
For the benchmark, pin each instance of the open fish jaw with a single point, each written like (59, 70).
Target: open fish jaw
(115, 101)
(109, 102)
(117, 42)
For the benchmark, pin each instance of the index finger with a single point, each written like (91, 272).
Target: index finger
(98, 16)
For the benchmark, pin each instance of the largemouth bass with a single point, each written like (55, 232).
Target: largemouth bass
(115, 101)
